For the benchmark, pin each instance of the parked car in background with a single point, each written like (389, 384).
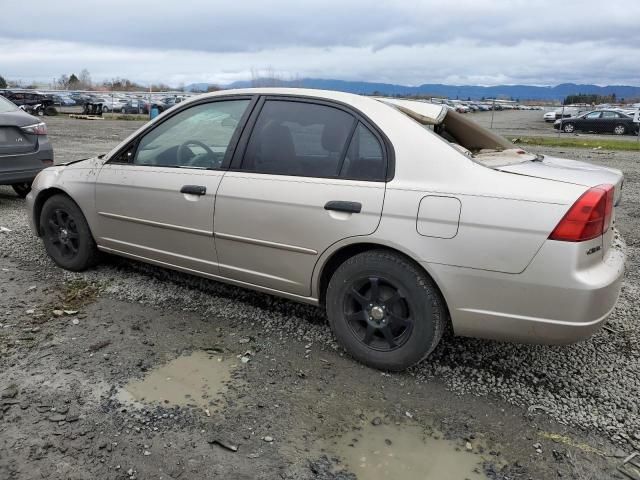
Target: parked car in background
(63, 100)
(565, 112)
(24, 147)
(31, 101)
(599, 121)
(475, 232)
(135, 106)
(171, 101)
(110, 104)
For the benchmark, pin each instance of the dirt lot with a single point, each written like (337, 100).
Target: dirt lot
(129, 371)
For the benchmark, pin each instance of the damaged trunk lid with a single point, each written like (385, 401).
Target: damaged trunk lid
(569, 171)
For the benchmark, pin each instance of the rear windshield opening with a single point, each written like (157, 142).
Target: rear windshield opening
(473, 140)
(468, 134)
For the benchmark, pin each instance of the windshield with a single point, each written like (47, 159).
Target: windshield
(6, 105)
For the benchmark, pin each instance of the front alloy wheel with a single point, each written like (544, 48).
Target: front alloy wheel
(62, 232)
(66, 235)
(568, 128)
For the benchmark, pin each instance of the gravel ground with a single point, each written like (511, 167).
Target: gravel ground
(586, 392)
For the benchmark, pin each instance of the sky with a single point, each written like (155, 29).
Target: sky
(408, 42)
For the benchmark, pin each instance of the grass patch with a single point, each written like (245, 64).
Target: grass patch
(577, 142)
(78, 293)
(125, 116)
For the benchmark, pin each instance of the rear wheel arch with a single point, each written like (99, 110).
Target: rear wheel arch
(343, 253)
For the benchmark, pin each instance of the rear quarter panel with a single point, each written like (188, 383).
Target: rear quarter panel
(494, 233)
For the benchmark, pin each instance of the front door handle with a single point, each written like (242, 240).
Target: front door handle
(341, 206)
(194, 189)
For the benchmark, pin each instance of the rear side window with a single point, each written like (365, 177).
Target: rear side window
(365, 158)
(297, 138)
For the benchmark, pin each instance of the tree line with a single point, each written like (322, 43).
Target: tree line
(83, 81)
(591, 99)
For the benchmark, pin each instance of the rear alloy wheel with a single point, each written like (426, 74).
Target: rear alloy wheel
(620, 129)
(385, 311)
(568, 128)
(22, 189)
(66, 235)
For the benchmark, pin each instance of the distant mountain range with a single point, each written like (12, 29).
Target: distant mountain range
(475, 92)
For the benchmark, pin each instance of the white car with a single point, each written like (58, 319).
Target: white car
(111, 104)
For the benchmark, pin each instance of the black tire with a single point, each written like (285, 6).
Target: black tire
(22, 189)
(50, 111)
(568, 127)
(620, 129)
(66, 234)
(413, 317)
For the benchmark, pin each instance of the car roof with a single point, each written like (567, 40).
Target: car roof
(422, 111)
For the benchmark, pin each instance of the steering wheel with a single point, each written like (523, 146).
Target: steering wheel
(183, 148)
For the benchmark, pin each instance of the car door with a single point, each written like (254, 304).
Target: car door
(590, 122)
(306, 175)
(155, 199)
(609, 121)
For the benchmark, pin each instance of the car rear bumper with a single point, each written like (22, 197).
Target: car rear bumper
(554, 301)
(24, 167)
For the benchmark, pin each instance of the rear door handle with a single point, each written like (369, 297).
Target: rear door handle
(341, 206)
(194, 189)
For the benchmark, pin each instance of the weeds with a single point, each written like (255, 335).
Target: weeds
(577, 142)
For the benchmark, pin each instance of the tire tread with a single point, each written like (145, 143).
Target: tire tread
(423, 281)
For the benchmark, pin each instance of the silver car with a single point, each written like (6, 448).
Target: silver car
(401, 218)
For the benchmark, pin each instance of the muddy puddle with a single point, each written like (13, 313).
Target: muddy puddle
(196, 380)
(405, 451)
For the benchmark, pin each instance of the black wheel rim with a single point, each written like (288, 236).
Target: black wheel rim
(378, 313)
(63, 233)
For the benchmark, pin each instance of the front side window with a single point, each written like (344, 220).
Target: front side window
(197, 137)
(298, 138)
(593, 115)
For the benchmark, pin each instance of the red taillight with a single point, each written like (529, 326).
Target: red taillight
(36, 129)
(588, 218)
